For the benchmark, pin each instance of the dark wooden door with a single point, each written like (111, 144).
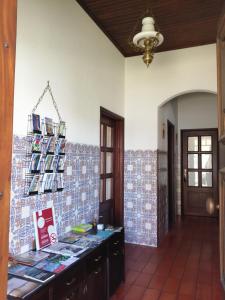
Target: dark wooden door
(199, 170)
(111, 168)
(107, 169)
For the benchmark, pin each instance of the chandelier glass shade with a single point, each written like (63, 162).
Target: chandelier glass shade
(148, 39)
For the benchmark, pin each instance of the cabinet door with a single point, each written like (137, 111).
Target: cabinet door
(68, 286)
(43, 294)
(116, 262)
(96, 284)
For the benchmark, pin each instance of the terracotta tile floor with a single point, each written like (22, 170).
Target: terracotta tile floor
(184, 267)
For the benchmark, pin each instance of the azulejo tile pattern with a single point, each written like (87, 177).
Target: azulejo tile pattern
(78, 202)
(140, 197)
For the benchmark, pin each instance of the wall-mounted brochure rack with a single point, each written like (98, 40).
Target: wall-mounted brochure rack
(45, 157)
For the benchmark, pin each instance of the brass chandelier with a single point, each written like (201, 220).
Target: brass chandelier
(148, 39)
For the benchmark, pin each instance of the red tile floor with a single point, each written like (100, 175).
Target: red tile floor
(184, 267)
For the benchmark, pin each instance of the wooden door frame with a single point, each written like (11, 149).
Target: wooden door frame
(8, 16)
(182, 167)
(119, 166)
(171, 168)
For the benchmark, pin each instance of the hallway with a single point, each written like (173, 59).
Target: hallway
(184, 267)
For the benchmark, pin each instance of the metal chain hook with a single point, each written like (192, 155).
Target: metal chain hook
(47, 88)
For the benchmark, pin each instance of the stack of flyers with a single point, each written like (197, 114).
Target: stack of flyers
(60, 148)
(20, 288)
(85, 242)
(48, 181)
(36, 123)
(56, 263)
(49, 162)
(60, 163)
(60, 181)
(30, 272)
(65, 249)
(70, 238)
(49, 126)
(35, 184)
(36, 143)
(30, 258)
(50, 148)
(62, 129)
(35, 163)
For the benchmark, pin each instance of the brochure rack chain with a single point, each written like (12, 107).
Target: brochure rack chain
(45, 158)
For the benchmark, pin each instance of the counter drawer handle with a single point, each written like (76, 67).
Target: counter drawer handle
(116, 253)
(97, 271)
(116, 243)
(71, 282)
(98, 258)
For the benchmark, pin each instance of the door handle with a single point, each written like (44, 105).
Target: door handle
(185, 175)
(211, 206)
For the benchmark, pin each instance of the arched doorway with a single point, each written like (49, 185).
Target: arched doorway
(188, 110)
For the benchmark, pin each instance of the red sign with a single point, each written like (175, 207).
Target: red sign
(45, 230)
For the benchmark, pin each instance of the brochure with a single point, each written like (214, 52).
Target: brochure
(36, 143)
(45, 230)
(20, 288)
(65, 249)
(51, 145)
(49, 162)
(36, 123)
(60, 148)
(82, 228)
(60, 181)
(62, 129)
(60, 163)
(48, 181)
(30, 272)
(70, 238)
(48, 126)
(35, 163)
(56, 263)
(35, 183)
(30, 258)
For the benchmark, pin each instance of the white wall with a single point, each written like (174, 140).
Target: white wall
(57, 41)
(171, 73)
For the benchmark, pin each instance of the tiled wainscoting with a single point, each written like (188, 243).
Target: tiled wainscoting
(77, 203)
(140, 197)
(144, 195)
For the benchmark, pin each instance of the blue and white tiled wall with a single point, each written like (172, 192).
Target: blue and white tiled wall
(140, 197)
(144, 195)
(78, 202)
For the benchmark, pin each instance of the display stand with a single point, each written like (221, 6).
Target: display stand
(45, 155)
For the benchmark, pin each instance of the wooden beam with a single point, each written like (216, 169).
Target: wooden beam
(8, 13)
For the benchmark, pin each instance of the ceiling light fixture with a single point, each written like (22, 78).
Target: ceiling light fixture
(148, 39)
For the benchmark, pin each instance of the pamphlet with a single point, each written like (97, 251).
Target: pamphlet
(65, 249)
(19, 288)
(30, 258)
(36, 143)
(30, 272)
(70, 238)
(36, 123)
(44, 225)
(48, 126)
(56, 263)
(62, 129)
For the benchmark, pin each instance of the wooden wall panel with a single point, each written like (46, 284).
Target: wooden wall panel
(8, 11)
